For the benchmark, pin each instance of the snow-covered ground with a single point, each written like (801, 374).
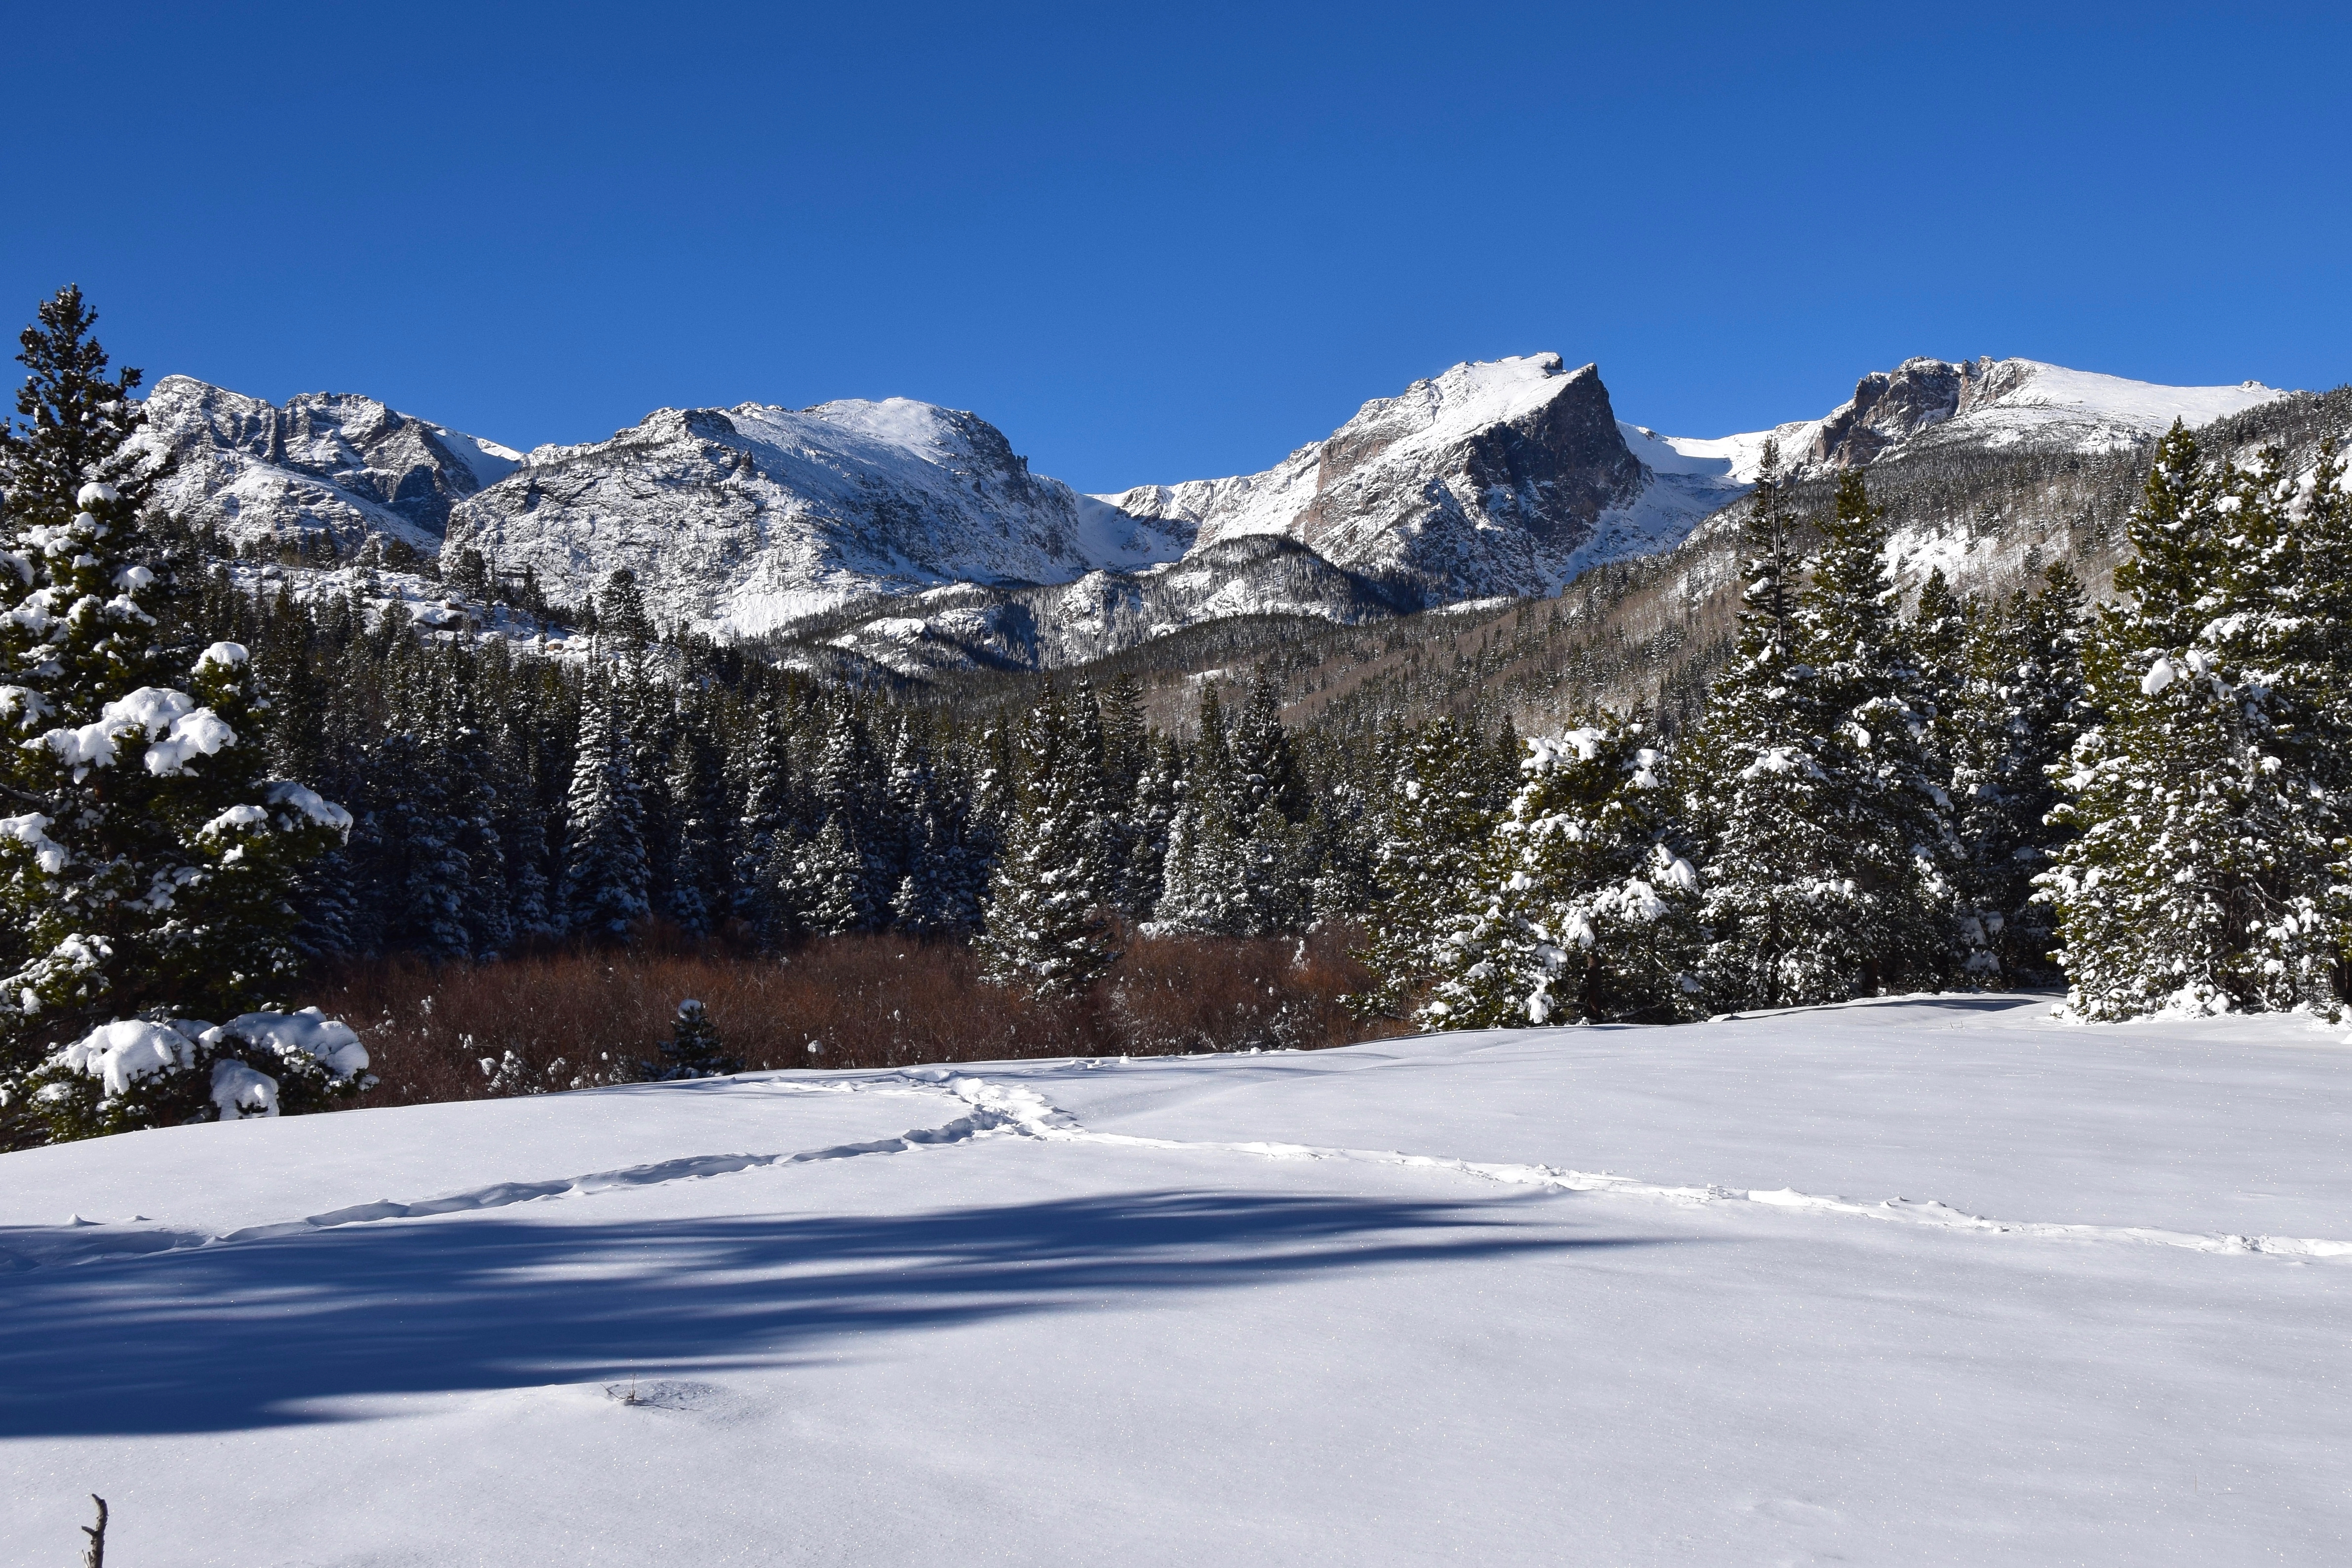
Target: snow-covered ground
(1937, 1281)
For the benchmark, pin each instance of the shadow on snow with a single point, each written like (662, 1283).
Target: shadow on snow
(245, 1335)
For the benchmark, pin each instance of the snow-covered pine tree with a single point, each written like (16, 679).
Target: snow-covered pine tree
(2017, 714)
(1268, 805)
(2209, 797)
(1941, 636)
(78, 421)
(766, 817)
(421, 873)
(621, 618)
(1202, 868)
(1149, 818)
(1808, 786)
(694, 887)
(1045, 929)
(150, 865)
(832, 883)
(849, 886)
(1583, 910)
(1446, 786)
(606, 875)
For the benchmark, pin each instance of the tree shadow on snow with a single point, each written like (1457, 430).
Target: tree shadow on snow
(225, 1337)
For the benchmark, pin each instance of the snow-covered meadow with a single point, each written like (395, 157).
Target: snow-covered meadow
(1938, 1280)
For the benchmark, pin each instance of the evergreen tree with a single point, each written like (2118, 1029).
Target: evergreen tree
(1445, 787)
(1149, 819)
(694, 1048)
(151, 865)
(1809, 784)
(1582, 911)
(606, 872)
(1044, 930)
(2209, 796)
(1201, 876)
(697, 874)
(78, 421)
(2018, 711)
(832, 893)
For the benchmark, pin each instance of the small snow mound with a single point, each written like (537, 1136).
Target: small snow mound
(228, 655)
(95, 494)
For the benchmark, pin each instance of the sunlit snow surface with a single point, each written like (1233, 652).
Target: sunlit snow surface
(1938, 1282)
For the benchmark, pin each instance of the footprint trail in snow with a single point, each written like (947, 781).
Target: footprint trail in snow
(1012, 1110)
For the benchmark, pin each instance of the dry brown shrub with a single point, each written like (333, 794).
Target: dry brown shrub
(568, 1019)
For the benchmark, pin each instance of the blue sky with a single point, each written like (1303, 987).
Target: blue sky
(1155, 244)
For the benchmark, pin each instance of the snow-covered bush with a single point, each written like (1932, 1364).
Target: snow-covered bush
(138, 1072)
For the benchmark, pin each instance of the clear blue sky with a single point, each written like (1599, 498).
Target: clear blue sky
(1160, 243)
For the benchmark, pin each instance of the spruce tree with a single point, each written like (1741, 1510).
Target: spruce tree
(2018, 711)
(1583, 910)
(2209, 795)
(606, 876)
(1446, 787)
(149, 868)
(1045, 929)
(694, 1048)
(1808, 787)
(1201, 875)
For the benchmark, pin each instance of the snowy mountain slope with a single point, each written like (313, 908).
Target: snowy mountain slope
(325, 460)
(1939, 1280)
(1104, 613)
(1500, 477)
(740, 519)
(1924, 405)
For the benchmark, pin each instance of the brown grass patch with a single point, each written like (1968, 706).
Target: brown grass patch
(561, 1020)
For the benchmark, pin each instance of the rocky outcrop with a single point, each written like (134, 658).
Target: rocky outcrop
(1494, 478)
(331, 460)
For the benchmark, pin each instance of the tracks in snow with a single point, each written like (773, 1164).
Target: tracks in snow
(1015, 1109)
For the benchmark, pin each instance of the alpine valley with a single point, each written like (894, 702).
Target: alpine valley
(902, 540)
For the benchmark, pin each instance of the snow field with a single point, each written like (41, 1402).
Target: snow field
(1195, 1310)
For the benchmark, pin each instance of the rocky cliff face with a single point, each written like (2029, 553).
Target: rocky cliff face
(331, 460)
(1505, 477)
(1927, 404)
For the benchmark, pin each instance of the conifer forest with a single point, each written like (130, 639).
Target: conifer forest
(277, 853)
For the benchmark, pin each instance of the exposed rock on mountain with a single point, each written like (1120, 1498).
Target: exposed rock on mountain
(742, 519)
(1992, 404)
(913, 537)
(1505, 477)
(331, 460)
(1104, 613)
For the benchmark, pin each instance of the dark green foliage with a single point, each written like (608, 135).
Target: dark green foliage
(693, 1049)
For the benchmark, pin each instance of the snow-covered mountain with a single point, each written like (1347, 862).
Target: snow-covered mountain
(742, 519)
(913, 535)
(1924, 405)
(1503, 478)
(1493, 480)
(332, 461)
